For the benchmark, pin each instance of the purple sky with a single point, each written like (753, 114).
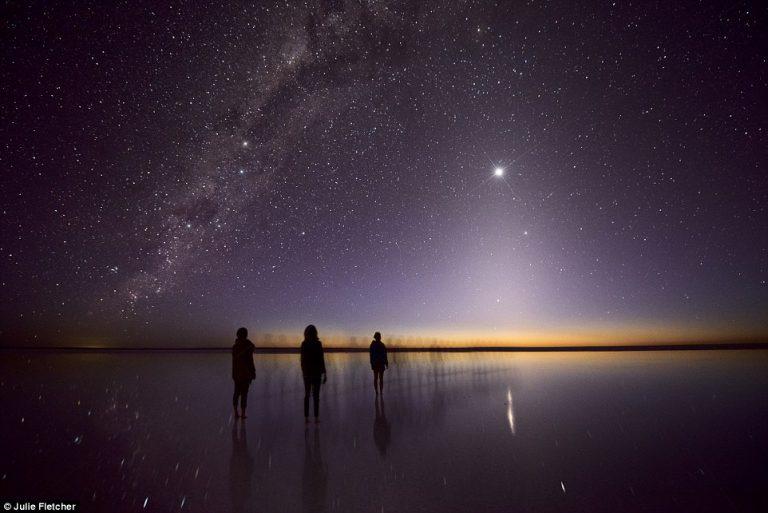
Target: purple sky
(173, 172)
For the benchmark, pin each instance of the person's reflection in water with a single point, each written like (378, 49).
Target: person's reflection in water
(314, 479)
(381, 430)
(240, 469)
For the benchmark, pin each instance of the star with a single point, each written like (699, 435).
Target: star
(368, 163)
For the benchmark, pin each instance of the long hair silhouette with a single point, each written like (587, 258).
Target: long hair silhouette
(310, 332)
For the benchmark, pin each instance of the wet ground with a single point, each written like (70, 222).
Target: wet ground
(648, 431)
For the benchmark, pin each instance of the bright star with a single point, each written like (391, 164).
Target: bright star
(499, 171)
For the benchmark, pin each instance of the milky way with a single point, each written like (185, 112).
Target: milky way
(459, 169)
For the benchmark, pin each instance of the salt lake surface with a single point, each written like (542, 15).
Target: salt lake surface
(630, 431)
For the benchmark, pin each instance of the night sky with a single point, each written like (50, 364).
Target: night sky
(453, 171)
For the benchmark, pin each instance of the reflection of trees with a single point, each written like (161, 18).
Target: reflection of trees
(421, 389)
(428, 384)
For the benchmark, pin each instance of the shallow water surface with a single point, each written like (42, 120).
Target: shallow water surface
(632, 431)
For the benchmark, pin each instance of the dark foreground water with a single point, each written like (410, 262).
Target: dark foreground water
(618, 432)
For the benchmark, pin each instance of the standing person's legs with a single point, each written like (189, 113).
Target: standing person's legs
(316, 396)
(235, 395)
(244, 397)
(378, 384)
(241, 392)
(307, 387)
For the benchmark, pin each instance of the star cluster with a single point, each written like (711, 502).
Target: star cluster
(173, 171)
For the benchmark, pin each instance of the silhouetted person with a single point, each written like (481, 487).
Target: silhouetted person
(379, 362)
(243, 370)
(381, 431)
(313, 369)
(240, 469)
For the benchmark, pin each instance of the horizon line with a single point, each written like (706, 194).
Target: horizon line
(415, 349)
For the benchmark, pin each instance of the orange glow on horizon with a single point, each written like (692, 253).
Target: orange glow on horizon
(587, 335)
(595, 335)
